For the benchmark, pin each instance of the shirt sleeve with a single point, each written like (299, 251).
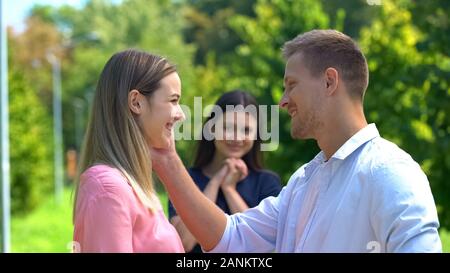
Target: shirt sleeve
(108, 225)
(252, 231)
(405, 217)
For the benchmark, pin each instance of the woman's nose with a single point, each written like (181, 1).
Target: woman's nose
(179, 116)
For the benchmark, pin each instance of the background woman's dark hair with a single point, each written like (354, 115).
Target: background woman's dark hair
(206, 148)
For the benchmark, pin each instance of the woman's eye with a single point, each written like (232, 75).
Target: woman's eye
(228, 128)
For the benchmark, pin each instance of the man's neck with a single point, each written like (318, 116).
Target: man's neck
(338, 131)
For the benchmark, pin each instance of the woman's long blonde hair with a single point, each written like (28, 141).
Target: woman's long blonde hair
(113, 136)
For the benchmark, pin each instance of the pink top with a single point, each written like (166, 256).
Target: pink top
(110, 217)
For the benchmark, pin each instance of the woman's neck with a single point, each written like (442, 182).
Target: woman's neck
(212, 168)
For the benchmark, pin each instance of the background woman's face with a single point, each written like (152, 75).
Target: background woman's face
(235, 133)
(162, 112)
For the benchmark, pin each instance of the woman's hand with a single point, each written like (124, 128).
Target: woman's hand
(237, 171)
(218, 178)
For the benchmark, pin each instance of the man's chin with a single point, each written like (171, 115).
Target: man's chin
(298, 135)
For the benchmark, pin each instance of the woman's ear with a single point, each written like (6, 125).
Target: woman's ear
(134, 101)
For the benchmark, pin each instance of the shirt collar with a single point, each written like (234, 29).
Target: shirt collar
(362, 136)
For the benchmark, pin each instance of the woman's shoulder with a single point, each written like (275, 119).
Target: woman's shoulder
(104, 179)
(195, 170)
(196, 173)
(267, 174)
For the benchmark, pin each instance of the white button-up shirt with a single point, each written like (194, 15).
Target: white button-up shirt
(370, 196)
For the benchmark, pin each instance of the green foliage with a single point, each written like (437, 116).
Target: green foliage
(258, 67)
(445, 239)
(350, 16)
(409, 96)
(207, 26)
(30, 133)
(101, 29)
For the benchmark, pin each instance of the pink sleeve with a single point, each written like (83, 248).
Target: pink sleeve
(107, 225)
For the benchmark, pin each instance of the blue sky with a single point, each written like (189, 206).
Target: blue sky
(16, 11)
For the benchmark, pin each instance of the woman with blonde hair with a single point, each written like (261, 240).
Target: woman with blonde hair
(116, 208)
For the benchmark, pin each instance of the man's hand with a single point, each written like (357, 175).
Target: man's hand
(163, 159)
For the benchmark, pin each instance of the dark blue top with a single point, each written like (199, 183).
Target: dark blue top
(253, 189)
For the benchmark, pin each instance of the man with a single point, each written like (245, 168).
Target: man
(361, 193)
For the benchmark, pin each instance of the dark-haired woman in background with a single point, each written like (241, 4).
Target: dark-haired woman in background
(229, 170)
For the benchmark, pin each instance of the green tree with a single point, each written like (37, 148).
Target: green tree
(31, 156)
(258, 67)
(409, 95)
(207, 25)
(31, 48)
(101, 28)
(349, 16)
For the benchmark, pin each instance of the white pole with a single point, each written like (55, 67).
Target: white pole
(57, 127)
(4, 129)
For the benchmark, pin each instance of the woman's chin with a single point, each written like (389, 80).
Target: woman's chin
(234, 154)
(162, 143)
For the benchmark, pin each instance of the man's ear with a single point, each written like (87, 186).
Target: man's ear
(332, 80)
(135, 101)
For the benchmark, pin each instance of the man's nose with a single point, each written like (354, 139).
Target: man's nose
(284, 101)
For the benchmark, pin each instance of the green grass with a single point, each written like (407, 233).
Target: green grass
(49, 228)
(445, 238)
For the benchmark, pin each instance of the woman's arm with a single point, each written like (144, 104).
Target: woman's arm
(212, 188)
(234, 200)
(186, 236)
(237, 171)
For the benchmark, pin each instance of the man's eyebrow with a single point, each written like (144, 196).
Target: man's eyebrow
(286, 79)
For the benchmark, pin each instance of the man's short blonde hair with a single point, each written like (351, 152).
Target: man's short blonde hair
(322, 49)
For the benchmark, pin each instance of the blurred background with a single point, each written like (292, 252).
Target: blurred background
(56, 50)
